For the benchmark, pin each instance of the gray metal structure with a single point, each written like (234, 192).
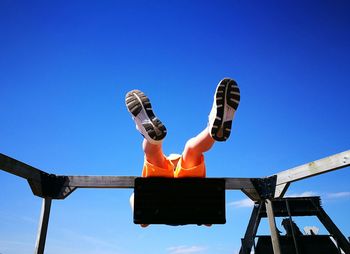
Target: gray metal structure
(265, 189)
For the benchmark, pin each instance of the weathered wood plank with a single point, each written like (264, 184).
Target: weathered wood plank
(128, 182)
(273, 229)
(100, 181)
(314, 168)
(18, 168)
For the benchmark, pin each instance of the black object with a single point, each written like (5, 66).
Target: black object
(308, 244)
(49, 186)
(290, 226)
(179, 201)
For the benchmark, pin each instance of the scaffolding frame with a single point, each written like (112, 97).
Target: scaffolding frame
(264, 189)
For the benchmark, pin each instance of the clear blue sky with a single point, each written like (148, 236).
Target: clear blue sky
(65, 67)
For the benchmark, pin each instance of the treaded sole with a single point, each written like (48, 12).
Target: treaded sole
(136, 101)
(227, 94)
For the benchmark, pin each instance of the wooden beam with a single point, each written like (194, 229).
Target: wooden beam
(273, 229)
(281, 189)
(341, 240)
(43, 225)
(252, 194)
(239, 183)
(314, 168)
(100, 181)
(249, 236)
(128, 182)
(18, 168)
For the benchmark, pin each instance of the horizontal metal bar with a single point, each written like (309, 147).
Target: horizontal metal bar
(128, 182)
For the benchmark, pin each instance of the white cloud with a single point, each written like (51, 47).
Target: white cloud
(242, 203)
(105, 246)
(303, 194)
(183, 249)
(331, 195)
(336, 195)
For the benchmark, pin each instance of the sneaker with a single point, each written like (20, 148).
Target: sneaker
(226, 100)
(150, 127)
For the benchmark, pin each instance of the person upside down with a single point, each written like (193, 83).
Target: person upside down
(191, 162)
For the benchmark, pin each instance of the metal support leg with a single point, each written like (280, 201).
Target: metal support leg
(333, 230)
(248, 240)
(274, 234)
(43, 224)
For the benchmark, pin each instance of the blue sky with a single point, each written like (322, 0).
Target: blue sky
(67, 65)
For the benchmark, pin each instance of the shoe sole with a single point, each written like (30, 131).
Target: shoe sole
(136, 101)
(227, 95)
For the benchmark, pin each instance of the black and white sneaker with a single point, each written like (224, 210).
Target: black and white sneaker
(146, 122)
(226, 100)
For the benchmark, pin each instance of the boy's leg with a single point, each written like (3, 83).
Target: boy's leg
(225, 104)
(156, 164)
(154, 153)
(153, 131)
(195, 147)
